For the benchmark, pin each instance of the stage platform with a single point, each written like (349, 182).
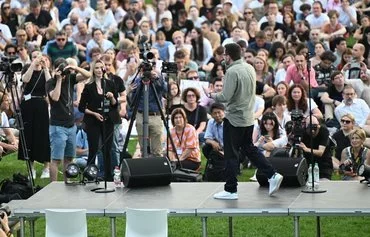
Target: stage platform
(195, 199)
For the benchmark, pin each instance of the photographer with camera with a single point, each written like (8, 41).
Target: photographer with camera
(35, 116)
(149, 74)
(62, 128)
(5, 230)
(355, 155)
(321, 149)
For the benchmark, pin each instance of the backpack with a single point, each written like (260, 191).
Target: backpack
(19, 188)
(215, 168)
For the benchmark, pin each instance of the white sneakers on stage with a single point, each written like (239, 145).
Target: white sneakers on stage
(275, 182)
(226, 195)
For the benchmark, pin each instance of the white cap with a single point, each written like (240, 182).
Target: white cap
(228, 1)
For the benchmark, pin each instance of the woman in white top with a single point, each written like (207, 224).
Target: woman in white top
(201, 47)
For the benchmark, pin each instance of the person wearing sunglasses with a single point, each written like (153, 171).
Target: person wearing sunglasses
(61, 47)
(342, 137)
(354, 155)
(321, 146)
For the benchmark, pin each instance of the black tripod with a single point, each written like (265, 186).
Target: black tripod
(11, 85)
(143, 90)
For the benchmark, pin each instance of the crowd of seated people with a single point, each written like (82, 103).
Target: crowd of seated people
(82, 66)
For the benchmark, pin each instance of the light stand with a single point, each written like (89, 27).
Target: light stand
(313, 189)
(11, 86)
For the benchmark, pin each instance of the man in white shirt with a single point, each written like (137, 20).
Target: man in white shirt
(352, 105)
(317, 19)
(272, 8)
(83, 10)
(288, 60)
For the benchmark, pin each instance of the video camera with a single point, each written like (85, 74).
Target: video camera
(145, 55)
(7, 65)
(168, 67)
(298, 127)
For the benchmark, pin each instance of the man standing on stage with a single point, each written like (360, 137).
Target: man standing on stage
(239, 94)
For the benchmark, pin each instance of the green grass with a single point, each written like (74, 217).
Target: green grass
(217, 226)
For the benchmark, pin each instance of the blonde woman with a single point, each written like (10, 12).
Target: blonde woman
(355, 155)
(98, 99)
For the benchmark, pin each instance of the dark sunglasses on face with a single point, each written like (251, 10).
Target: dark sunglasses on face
(345, 121)
(61, 39)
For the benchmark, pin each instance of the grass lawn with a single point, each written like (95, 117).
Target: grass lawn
(217, 226)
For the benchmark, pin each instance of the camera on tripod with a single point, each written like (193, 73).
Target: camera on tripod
(146, 56)
(7, 65)
(297, 127)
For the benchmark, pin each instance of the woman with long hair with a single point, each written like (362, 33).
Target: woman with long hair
(9, 18)
(185, 140)
(282, 89)
(319, 49)
(261, 67)
(202, 48)
(277, 51)
(268, 135)
(48, 5)
(297, 100)
(252, 29)
(174, 97)
(128, 28)
(207, 10)
(218, 28)
(355, 155)
(33, 37)
(157, 15)
(35, 113)
(346, 58)
(288, 22)
(98, 99)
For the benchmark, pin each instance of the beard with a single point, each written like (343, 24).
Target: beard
(348, 101)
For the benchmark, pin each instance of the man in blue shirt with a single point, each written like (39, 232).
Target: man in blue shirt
(155, 120)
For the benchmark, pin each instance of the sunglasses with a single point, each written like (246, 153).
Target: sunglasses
(345, 121)
(6, 8)
(12, 53)
(193, 78)
(245, 13)
(61, 39)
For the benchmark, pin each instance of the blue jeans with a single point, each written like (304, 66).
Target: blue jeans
(240, 139)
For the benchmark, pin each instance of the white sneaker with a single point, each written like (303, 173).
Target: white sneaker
(45, 174)
(254, 177)
(275, 182)
(226, 195)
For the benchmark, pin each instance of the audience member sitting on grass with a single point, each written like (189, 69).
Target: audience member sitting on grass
(355, 155)
(186, 142)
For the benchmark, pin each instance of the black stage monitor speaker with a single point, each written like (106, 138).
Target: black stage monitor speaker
(146, 172)
(294, 171)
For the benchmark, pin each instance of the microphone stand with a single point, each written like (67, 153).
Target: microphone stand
(312, 189)
(107, 162)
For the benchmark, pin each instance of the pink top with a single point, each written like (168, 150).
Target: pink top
(189, 139)
(293, 75)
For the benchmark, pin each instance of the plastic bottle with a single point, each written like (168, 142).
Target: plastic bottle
(316, 177)
(117, 177)
(309, 179)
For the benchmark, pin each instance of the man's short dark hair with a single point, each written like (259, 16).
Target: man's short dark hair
(328, 55)
(10, 46)
(334, 74)
(242, 44)
(339, 40)
(233, 50)
(217, 105)
(35, 4)
(252, 51)
(206, 22)
(216, 79)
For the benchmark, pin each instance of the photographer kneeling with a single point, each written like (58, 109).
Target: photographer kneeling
(320, 144)
(355, 155)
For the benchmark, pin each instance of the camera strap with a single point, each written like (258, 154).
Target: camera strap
(29, 95)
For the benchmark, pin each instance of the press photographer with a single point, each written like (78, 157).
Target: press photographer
(148, 75)
(321, 146)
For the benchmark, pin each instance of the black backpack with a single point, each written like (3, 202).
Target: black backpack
(215, 168)
(19, 188)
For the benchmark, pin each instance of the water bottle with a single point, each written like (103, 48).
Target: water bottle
(117, 177)
(316, 177)
(309, 179)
